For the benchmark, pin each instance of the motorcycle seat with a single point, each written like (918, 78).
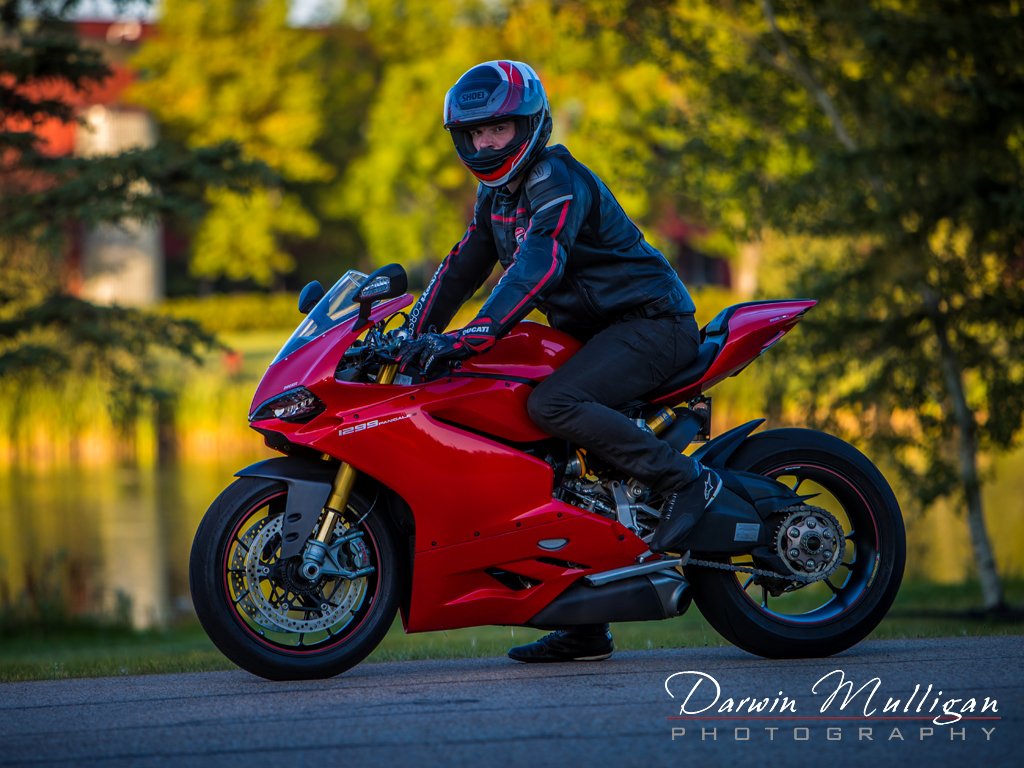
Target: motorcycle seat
(706, 354)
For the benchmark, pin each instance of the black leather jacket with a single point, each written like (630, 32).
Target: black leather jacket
(585, 268)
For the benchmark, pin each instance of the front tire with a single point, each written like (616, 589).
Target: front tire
(828, 616)
(261, 614)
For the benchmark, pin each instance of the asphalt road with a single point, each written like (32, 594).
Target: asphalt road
(494, 712)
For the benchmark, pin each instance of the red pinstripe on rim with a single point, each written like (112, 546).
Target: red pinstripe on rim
(334, 640)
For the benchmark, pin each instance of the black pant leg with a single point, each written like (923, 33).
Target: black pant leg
(621, 363)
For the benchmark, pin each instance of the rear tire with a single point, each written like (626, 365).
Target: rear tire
(268, 621)
(869, 577)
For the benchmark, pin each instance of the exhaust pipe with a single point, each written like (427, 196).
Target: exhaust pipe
(630, 597)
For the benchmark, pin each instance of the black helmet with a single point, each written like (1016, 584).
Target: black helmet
(493, 92)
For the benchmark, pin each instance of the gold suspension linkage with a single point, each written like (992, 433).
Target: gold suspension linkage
(661, 421)
(337, 501)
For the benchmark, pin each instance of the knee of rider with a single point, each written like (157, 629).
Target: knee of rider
(544, 410)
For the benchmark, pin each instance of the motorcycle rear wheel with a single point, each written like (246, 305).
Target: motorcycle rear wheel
(261, 614)
(830, 616)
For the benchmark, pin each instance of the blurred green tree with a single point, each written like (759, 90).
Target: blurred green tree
(618, 113)
(893, 131)
(235, 71)
(44, 331)
(348, 66)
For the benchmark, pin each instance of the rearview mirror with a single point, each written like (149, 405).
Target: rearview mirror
(309, 296)
(387, 282)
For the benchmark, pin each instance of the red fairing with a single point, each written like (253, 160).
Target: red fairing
(452, 449)
(477, 502)
(316, 361)
(529, 351)
(752, 329)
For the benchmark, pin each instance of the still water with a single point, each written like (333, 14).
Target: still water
(118, 538)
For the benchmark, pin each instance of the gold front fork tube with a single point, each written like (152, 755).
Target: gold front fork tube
(387, 372)
(337, 501)
(346, 477)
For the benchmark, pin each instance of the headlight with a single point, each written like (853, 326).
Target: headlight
(296, 405)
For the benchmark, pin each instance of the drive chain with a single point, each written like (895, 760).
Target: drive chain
(806, 579)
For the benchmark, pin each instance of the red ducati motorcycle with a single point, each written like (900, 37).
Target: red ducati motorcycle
(439, 498)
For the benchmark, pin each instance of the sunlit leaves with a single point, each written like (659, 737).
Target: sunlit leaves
(617, 112)
(235, 71)
(913, 184)
(46, 335)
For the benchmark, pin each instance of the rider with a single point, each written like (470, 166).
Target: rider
(569, 249)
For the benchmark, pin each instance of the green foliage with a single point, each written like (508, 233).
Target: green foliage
(233, 71)
(888, 133)
(347, 64)
(617, 112)
(45, 334)
(43, 195)
(236, 312)
(58, 335)
(140, 183)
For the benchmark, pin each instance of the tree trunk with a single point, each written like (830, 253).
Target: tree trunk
(167, 443)
(988, 574)
(806, 79)
(745, 282)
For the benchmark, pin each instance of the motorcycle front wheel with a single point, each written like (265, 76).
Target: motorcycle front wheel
(776, 619)
(258, 609)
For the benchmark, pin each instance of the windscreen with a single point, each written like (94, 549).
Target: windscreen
(333, 309)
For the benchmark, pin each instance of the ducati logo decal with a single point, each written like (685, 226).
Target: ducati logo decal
(371, 425)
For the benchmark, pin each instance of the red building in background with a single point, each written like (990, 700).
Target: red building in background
(107, 263)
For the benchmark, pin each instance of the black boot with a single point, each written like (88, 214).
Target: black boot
(586, 643)
(683, 510)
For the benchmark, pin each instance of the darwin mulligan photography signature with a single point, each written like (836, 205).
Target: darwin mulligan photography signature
(924, 712)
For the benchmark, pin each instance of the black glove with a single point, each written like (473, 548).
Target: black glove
(436, 350)
(430, 352)
(433, 350)
(479, 335)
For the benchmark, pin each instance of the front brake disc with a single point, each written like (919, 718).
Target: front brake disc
(279, 607)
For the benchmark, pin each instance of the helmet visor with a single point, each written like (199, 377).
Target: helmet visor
(482, 96)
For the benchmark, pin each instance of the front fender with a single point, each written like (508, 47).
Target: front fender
(309, 484)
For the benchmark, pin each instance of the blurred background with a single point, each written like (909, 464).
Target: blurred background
(172, 174)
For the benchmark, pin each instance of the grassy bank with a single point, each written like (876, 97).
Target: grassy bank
(97, 650)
